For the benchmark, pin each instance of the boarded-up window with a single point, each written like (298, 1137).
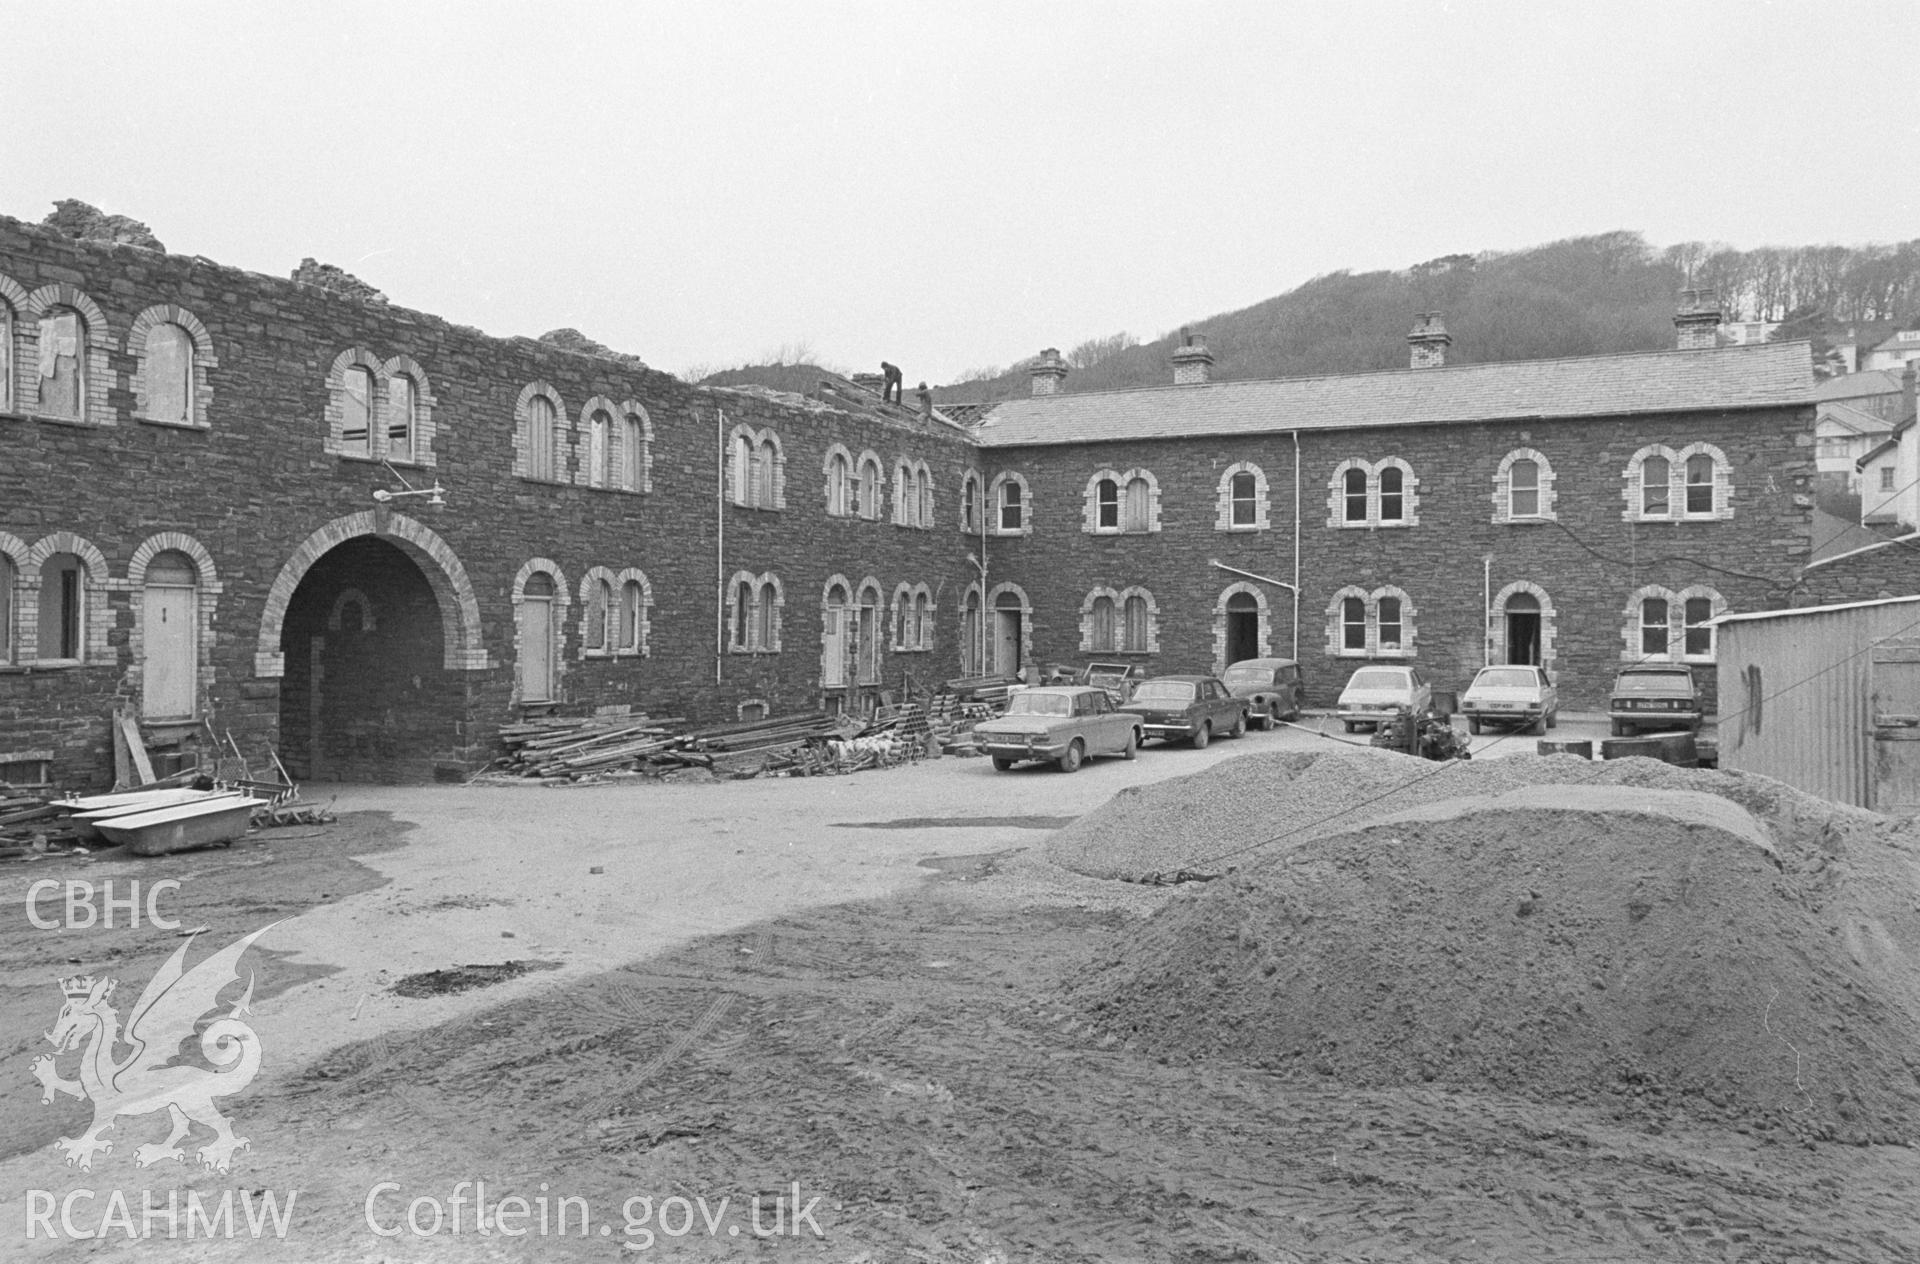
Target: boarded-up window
(600, 449)
(356, 410)
(599, 594)
(1139, 506)
(63, 359)
(742, 472)
(540, 438)
(169, 374)
(633, 468)
(402, 410)
(1136, 641)
(1102, 621)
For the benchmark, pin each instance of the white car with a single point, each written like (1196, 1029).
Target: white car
(1511, 694)
(1374, 694)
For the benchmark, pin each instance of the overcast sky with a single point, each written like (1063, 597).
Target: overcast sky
(946, 185)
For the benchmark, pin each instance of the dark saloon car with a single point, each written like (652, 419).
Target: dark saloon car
(1271, 686)
(1187, 709)
(1065, 725)
(1654, 696)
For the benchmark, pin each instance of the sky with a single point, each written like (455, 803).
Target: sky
(946, 186)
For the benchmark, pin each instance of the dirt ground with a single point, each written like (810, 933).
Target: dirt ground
(834, 1004)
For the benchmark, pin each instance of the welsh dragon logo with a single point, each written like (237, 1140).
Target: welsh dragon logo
(150, 1078)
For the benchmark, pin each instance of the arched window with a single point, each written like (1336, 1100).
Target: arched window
(923, 620)
(63, 364)
(1654, 473)
(600, 449)
(867, 632)
(923, 484)
(743, 607)
(971, 507)
(1697, 636)
(1012, 509)
(356, 402)
(903, 634)
(633, 465)
(1653, 626)
(905, 505)
(1355, 490)
(1102, 625)
(765, 609)
(1353, 623)
(1243, 492)
(972, 634)
(169, 374)
(402, 417)
(542, 434)
(1138, 507)
(1523, 489)
(63, 609)
(835, 642)
(870, 486)
(1700, 485)
(1387, 619)
(1136, 625)
(6, 360)
(633, 601)
(1106, 503)
(1392, 494)
(599, 599)
(839, 504)
(9, 584)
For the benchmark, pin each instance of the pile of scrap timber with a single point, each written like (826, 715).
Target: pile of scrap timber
(559, 751)
(31, 822)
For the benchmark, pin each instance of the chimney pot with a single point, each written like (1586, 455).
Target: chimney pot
(1429, 341)
(1049, 371)
(1697, 323)
(1192, 363)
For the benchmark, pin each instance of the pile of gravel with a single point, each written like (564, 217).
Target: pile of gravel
(1665, 940)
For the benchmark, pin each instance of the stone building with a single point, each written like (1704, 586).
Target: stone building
(368, 537)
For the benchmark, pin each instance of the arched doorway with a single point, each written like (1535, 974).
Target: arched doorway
(1243, 627)
(1523, 629)
(170, 613)
(366, 695)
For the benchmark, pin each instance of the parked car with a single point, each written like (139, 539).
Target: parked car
(1187, 709)
(1374, 694)
(1654, 696)
(1521, 696)
(1063, 724)
(1271, 686)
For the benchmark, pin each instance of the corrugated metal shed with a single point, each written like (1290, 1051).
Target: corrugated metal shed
(1795, 693)
(1770, 375)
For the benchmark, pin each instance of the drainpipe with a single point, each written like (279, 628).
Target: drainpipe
(1296, 546)
(719, 543)
(1486, 610)
(980, 659)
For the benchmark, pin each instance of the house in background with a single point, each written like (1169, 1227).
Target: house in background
(1890, 470)
(1843, 434)
(1902, 349)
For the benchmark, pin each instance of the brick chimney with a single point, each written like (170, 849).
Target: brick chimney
(1698, 320)
(1049, 372)
(1429, 341)
(1192, 362)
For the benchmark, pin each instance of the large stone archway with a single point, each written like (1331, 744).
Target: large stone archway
(459, 609)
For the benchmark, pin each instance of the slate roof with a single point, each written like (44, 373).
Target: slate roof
(1857, 420)
(1768, 375)
(1857, 385)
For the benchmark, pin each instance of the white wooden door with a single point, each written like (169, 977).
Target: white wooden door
(172, 653)
(536, 649)
(833, 648)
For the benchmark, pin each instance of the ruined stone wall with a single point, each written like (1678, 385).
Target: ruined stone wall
(256, 480)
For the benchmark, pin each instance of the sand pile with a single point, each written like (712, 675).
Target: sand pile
(1582, 932)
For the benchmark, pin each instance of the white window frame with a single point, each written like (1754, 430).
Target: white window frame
(1677, 461)
(1632, 627)
(1547, 498)
(998, 503)
(1095, 503)
(1336, 624)
(1337, 518)
(1223, 516)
